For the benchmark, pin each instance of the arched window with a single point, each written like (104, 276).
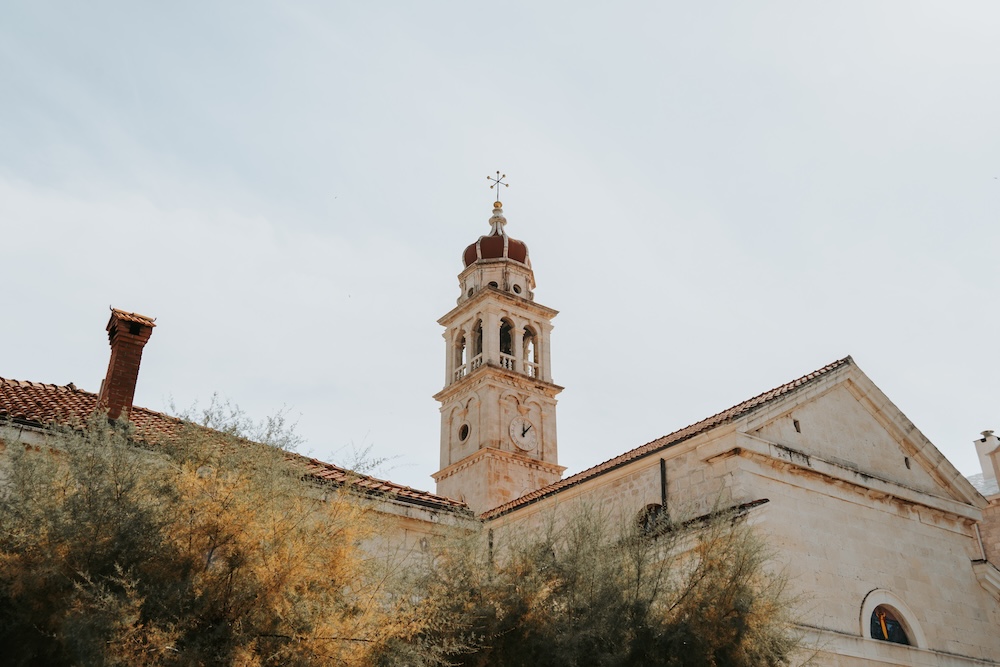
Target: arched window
(477, 343)
(506, 337)
(459, 356)
(886, 617)
(529, 352)
(507, 359)
(460, 352)
(885, 625)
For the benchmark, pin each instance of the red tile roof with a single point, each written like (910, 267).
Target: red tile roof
(38, 404)
(724, 417)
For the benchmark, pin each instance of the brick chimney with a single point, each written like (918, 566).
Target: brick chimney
(127, 333)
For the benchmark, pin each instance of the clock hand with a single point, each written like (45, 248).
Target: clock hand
(525, 430)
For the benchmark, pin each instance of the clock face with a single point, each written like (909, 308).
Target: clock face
(523, 433)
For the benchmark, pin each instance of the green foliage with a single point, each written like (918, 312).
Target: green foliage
(205, 548)
(575, 592)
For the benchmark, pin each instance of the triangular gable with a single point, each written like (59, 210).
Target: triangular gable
(847, 421)
(838, 428)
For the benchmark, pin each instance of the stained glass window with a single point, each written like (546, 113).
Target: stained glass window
(886, 626)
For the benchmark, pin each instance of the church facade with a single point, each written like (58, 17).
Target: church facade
(892, 550)
(879, 533)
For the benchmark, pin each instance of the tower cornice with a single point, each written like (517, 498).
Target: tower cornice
(489, 372)
(498, 454)
(495, 294)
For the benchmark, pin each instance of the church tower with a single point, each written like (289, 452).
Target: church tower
(498, 406)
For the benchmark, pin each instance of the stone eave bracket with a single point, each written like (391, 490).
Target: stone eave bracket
(988, 576)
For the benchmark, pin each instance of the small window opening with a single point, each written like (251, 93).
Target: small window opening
(506, 340)
(134, 328)
(795, 423)
(469, 293)
(906, 462)
(517, 289)
(494, 285)
(529, 352)
(887, 627)
(477, 345)
(463, 433)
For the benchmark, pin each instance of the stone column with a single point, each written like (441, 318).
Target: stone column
(544, 358)
(449, 356)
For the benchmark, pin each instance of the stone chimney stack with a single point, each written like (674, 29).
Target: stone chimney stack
(127, 333)
(988, 449)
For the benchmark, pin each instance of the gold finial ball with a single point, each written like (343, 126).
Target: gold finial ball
(498, 204)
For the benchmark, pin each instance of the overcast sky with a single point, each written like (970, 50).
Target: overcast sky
(719, 197)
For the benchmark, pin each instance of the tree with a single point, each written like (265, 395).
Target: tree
(576, 592)
(204, 547)
(208, 546)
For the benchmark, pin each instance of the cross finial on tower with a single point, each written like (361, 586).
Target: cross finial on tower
(497, 182)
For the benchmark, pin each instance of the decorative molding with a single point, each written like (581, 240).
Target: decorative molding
(988, 576)
(491, 374)
(782, 457)
(500, 455)
(512, 301)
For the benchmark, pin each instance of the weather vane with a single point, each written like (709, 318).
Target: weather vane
(497, 182)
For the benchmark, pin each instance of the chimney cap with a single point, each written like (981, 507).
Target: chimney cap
(135, 318)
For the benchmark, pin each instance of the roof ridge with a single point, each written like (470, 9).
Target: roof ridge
(49, 385)
(719, 418)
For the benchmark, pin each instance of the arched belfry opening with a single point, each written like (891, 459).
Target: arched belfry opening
(507, 359)
(498, 346)
(529, 352)
(477, 340)
(466, 353)
(460, 358)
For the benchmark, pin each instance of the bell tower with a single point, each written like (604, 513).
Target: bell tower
(498, 406)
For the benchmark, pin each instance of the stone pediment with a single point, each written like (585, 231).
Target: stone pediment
(847, 427)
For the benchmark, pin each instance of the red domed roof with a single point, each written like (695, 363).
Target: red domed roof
(496, 244)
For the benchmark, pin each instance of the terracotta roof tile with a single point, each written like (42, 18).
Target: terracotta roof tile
(134, 317)
(39, 404)
(724, 417)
